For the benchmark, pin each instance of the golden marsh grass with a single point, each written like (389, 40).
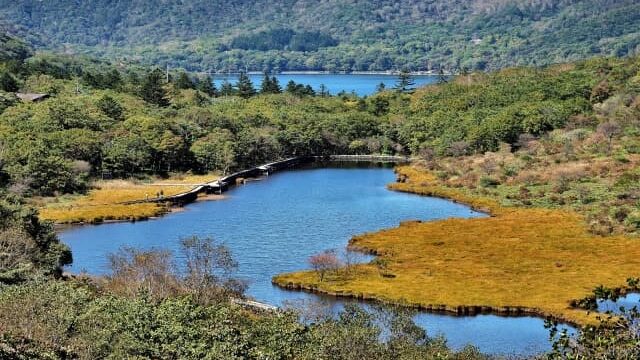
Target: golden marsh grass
(518, 260)
(104, 201)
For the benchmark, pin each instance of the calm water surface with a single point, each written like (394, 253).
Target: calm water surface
(335, 83)
(627, 302)
(274, 225)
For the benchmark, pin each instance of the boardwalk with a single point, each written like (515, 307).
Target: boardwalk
(224, 183)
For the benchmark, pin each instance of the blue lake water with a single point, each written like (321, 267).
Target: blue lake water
(274, 225)
(361, 84)
(627, 302)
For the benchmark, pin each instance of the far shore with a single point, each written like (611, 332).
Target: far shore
(319, 72)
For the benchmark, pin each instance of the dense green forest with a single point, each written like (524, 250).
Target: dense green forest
(369, 35)
(104, 120)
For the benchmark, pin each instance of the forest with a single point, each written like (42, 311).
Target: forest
(371, 35)
(108, 120)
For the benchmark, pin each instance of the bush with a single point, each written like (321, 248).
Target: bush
(487, 181)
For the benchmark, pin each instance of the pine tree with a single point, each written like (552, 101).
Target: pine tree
(152, 88)
(405, 82)
(323, 91)
(381, 87)
(275, 85)
(291, 87)
(110, 107)
(226, 89)
(8, 83)
(184, 82)
(207, 86)
(245, 86)
(265, 87)
(113, 79)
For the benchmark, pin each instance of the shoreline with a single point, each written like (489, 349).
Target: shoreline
(213, 190)
(457, 311)
(373, 284)
(320, 72)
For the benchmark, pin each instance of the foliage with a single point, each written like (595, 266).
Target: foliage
(152, 90)
(28, 247)
(372, 35)
(84, 319)
(283, 39)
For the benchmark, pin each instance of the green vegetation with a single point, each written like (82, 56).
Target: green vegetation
(563, 138)
(369, 35)
(148, 309)
(283, 39)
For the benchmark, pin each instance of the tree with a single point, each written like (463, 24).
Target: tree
(209, 269)
(266, 86)
(227, 89)
(184, 82)
(442, 78)
(609, 130)
(150, 271)
(215, 151)
(207, 86)
(245, 86)
(113, 79)
(323, 91)
(405, 82)
(8, 83)
(324, 262)
(27, 246)
(275, 85)
(380, 105)
(291, 87)
(153, 90)
(270, 85)
(110, 107)
(381, 87)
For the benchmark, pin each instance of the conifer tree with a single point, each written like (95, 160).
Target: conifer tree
(405, 82)
(226, 89)
(266, 87)
(245, 86)
(184, 82)
(275, 85)
(152, 88)
(8, 83)
(442, 78)
(207, 86)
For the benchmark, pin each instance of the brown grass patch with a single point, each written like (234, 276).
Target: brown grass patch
(104, 202)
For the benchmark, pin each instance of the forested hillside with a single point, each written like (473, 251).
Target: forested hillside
(559, 137)
(331, 35)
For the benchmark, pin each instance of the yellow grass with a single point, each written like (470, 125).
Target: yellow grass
(104, 202)
(518, 260)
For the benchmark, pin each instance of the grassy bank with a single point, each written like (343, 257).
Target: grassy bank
(519, 260)
(105, 202)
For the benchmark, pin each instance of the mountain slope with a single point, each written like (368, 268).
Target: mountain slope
(363, 34)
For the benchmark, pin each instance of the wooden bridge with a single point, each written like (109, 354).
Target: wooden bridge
(224, 183)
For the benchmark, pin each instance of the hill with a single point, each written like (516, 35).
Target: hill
(364, 35)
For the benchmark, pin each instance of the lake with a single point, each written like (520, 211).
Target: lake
(274, 225)
(361, 84)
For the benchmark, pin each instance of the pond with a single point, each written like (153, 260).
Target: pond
(361, 84)
(274, 225)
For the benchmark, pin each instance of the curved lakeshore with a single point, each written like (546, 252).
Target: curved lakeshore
(358, 202)
(512, 263)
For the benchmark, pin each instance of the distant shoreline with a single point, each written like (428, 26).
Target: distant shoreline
(384, 73)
